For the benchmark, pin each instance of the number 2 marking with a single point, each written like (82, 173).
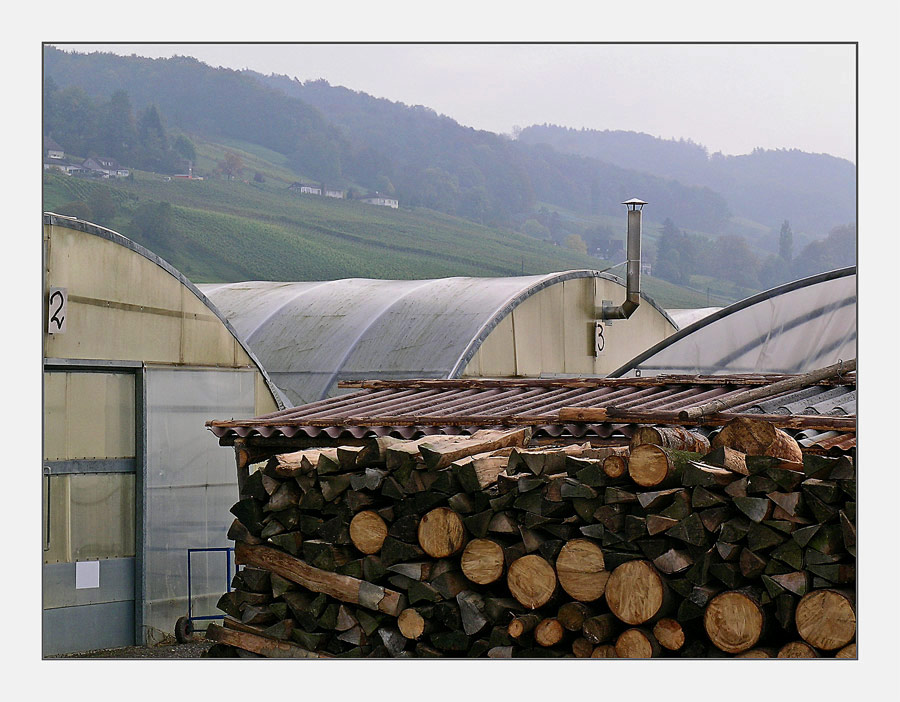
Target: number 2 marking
(57, 297)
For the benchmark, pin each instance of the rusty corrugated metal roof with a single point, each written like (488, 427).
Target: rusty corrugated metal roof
(413, 408)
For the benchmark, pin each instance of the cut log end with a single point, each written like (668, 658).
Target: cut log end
(580, 569)
(531, 580)
(826, 619)
(733, 622)
(368, 532)
(669, 633)
(482, 561)
(615, 466)
(411, 624)
(635, 592)
(637, 643)
(548, 632)
(797, 649)
(604, 651)
(441, 533)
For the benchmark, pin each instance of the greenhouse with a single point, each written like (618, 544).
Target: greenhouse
(135, 360)
(311, 335)
(794, 328)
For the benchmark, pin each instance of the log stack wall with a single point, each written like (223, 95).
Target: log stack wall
(480, 546)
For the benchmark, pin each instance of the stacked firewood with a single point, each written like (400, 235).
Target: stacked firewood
(481, 546)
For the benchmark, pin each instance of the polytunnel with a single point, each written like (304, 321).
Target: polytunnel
(793, 328)
(135, 495)
(311, 335)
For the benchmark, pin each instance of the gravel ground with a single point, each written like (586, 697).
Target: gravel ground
(166, 649)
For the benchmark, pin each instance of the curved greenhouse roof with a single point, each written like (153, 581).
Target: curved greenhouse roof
(310, 335)
(793, 328)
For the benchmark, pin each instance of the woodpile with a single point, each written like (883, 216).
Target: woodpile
(482, 546)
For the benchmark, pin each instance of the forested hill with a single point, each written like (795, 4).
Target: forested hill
(346, 138)
(816, 192)
(439, 163)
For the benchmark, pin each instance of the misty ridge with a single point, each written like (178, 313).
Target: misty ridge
(547, 181)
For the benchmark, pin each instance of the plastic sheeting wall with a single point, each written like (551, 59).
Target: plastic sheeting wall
(796, 328)
(190, 485)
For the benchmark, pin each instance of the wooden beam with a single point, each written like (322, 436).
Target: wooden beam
(599, 415)
(786, 385)
(647, 381)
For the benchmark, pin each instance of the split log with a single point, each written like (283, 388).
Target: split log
(259, 645)
(441, 533)
(531, 580)
(482, 561)
(757, 438)
(341, 587)
(637, 643)
(734, 621)
(636, 593)
(441, 452)
(480, 471)
(673, 437)
(728, 458)
(471, 612)
(826, 619)
(368, 531)
(580, 569)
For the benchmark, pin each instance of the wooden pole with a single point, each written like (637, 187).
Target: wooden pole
(801, 381)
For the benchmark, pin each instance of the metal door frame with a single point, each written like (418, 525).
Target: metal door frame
(139, 370)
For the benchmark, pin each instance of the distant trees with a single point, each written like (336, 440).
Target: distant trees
(837, 250)
(153, 225)
(185, 148)
(671, 263)
(102, 205)
(533, 227)
(231, 166)
(85, 127)
(576, 243)
(76, 208)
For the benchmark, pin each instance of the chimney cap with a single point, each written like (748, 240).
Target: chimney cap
(634, 202)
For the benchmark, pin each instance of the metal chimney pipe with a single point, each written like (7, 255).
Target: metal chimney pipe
(633, 265)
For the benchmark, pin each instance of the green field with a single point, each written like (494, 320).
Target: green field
(227, 231)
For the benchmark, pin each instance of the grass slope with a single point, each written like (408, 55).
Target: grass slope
(234, 230)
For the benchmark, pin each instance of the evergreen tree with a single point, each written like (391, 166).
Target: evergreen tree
(668, 254)
(786, 242)
(118, 133)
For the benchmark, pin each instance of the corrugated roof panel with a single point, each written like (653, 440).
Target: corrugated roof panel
(453, 408)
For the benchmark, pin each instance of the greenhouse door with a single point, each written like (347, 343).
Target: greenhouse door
(88, 517)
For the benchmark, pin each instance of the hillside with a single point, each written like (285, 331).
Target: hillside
(472, 202)
(227, 231)
(816, 192)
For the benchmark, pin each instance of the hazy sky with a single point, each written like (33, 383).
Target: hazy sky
(728, 97)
